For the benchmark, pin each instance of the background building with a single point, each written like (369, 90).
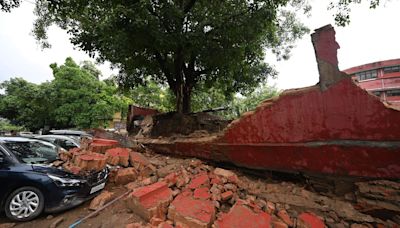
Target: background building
(381, 78)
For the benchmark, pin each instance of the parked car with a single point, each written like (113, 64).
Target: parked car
(66, 142)
(70, 133)
(30, 184)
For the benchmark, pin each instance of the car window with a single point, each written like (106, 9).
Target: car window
(66, 144)
(33, 151)
(49, 139)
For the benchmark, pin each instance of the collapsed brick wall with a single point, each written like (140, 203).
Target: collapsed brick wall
(343, 112)
(334, 127)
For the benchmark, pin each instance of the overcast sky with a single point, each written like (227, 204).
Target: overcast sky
(373, 35)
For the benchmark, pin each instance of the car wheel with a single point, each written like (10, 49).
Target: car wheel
(24, 204)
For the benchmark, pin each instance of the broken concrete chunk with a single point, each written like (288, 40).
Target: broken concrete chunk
(231, 176)
(150, 201)
(101, 200)
(191, 212)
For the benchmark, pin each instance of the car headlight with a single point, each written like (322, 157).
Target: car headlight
(66, 182)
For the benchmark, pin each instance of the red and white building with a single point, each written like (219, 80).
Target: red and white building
(381, 78)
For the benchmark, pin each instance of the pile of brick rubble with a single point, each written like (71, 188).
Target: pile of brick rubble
(173, 192)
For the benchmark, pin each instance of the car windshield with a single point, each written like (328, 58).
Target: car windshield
(33, 152)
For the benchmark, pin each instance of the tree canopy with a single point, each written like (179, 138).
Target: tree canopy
(181, 43)
(74, 98)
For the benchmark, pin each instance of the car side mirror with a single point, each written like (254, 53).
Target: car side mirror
(1, 160)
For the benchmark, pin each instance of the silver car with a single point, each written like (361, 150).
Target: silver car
(66, 142)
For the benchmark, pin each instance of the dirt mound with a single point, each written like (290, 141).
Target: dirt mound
(172, 124)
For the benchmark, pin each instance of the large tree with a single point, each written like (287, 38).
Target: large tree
(178, 42)
(74, 98)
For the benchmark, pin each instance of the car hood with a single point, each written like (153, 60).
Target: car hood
(49, 169)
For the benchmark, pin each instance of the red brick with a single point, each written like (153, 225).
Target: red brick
(109, 142)
(100, 200)
(165, 225)
(150, 201)
(202, 193)
(100, 148)
(201, 179)
(125, 176)
(118, 156)
(309, 220)
(270, 208)
(154, 221)
(226, 195)
(138, 160)
(282, 214)
(191, 212)
(216, 180)
(134, 225)
(91, 161)
(72, 168)
(224, 173)
(242, 216)
(279, 224)
(171, 179)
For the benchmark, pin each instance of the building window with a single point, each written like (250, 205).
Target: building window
(367, 75)
(377, 93)
(392, 93)
(391, 69)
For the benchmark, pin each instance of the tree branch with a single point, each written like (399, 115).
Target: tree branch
(189, 6)
(164, 68)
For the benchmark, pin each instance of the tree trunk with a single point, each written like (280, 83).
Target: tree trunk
(183, 98)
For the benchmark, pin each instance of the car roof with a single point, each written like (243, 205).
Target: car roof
(16, 139)
(68, 132)
(56, 136)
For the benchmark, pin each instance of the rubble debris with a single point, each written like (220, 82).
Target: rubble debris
(378, 195)
(283, 215)
(242, 216)
(309, 220)
(118, 156)
(191, 212)
(150, 201)
(126, 175)
(200, 180)
(168, 192)
(101, 200)
(202, 193)
(91, 161)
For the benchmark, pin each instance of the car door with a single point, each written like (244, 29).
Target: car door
(5, 163)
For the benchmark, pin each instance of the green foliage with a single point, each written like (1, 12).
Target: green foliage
(152, 95)
(7, 5)
(180, 43)
(342, 9)
(5, 125)
(242, 104)
(75, 98)
(155, 96)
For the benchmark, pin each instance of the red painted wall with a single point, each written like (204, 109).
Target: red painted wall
(344, 111)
